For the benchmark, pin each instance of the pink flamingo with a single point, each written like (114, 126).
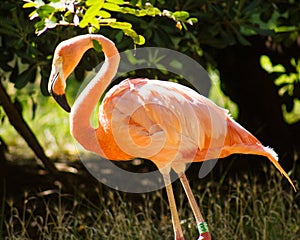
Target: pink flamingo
(168, 123)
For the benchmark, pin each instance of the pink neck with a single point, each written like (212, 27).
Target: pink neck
(84, 105)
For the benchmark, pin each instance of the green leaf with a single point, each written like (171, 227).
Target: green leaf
(97, 46)
(192, 21)
(25, 77)
(285, 79)
(39, 25)
(293, 62)
(140, 13)
(181, 15)
(90, 17)
(278, 68)
(121, 25)
(83, 23)
(131, 11)
(140, 40)
(112, 7)
(267, 65)
(98, 3)
(119, 2)
(36, 4)
(14, 74)
(104, 14)
(45, 11)
(91, 12)
(95, 24)
(137, 39)
(30, 5)
(152, 11)
(286, 29)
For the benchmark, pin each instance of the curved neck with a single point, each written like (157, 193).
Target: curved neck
(84, 105)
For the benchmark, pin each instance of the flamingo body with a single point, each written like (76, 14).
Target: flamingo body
(179, 123)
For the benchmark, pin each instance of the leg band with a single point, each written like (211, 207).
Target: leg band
(203, 227)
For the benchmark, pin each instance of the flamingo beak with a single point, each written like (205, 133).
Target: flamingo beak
(61, 97)
(62, 101)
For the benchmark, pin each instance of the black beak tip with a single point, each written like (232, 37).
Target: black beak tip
(62, 101)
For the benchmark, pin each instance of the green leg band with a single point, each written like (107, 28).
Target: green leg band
(203, 227)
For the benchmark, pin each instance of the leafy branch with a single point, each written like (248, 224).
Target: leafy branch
(94, 14)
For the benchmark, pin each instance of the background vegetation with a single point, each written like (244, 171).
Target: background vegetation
(251, 48)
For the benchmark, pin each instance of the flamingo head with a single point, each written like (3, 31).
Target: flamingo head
(57, 84)
(66, 57)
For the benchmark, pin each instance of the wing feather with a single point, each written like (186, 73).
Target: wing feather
(165, 106)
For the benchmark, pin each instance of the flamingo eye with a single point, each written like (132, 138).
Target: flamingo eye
(58, 68)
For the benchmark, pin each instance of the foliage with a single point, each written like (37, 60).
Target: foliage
(97, 13)
(24, 55)
(224, 23)
(287, 82)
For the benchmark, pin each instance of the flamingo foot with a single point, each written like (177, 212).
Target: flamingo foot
(205, 236)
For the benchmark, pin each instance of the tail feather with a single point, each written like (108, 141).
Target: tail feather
(239, 140)
(272, 156)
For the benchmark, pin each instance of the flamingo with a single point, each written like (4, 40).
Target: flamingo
(165, 122)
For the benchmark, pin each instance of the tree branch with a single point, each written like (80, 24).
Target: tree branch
(17, 121)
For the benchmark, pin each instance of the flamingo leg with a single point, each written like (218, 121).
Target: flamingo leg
(201, 224)
(174, 214)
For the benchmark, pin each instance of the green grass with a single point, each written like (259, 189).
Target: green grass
(241, 209)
